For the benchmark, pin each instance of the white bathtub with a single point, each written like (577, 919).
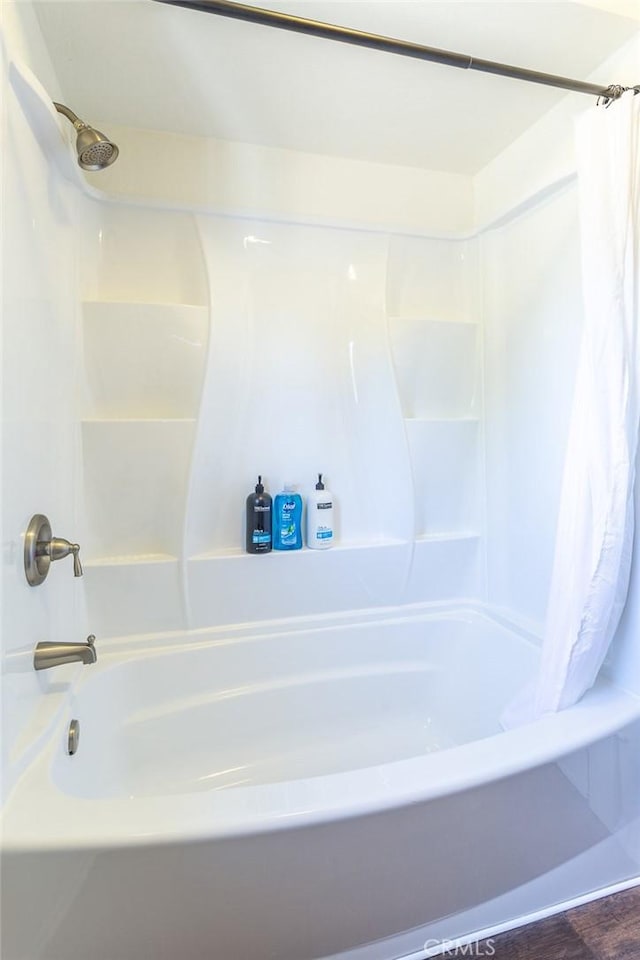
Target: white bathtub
(336, 788)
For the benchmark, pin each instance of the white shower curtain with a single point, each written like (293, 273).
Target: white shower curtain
(594, 536)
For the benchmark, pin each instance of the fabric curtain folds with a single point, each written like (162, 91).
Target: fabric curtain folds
(594, 535)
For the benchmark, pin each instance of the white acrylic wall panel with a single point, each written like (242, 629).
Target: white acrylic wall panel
(444, 567)
(39, 417)
(300, 372)
(238, 588)
(144, 360)
(135, 475)
(135, 595)
(432, 279)
(139, 255)
(249, 180)
(532, 323)
(295, 376)
(299, 381)
(436, 366)
(444, 455)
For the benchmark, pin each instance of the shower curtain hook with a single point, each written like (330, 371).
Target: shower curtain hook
(614, 92)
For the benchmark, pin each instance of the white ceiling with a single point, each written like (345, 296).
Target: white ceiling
(140, 63)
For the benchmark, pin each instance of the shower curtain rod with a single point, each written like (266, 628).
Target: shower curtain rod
(329, 31)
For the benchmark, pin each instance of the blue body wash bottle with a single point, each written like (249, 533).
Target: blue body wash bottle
(287, 519)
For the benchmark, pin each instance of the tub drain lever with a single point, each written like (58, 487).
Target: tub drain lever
(73, 737)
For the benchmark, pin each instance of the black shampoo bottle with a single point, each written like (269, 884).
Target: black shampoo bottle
(258, 520)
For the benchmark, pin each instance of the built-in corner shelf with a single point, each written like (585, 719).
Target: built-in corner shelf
(237, 553)
(451, 420)
(447, 537)
(129, 559)
(136, 420)
(424, 319)
(340, 546)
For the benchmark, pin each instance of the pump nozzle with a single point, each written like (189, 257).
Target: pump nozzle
(319, 484)
(259, 485)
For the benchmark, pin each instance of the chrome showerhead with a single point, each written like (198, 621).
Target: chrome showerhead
(95, 150)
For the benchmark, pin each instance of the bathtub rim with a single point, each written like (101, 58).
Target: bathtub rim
(191, 817)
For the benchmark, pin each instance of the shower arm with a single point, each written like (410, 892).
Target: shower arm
(329, 31)
(70, 115)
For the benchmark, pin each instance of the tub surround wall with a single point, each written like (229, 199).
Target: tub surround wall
(521, 197)
(444, 441)
(143, 270)
(532, 320)
(139, 256)
(299, 381)
(40, 439)
(303, 362)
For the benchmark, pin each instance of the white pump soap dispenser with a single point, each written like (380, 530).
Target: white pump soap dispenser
(320, 532)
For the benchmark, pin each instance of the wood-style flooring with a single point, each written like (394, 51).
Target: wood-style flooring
(607, 929)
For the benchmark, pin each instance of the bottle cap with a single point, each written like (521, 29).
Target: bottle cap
(259, 486)
(319, 484)
(289, 487)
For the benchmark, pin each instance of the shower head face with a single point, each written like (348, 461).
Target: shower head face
(95, 151)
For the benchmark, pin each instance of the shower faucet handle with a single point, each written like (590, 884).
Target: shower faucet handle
(57, 549)
(41, 549)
